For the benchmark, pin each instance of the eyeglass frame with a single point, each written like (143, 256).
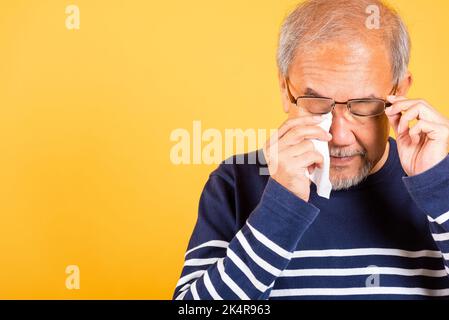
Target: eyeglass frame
(386, 103)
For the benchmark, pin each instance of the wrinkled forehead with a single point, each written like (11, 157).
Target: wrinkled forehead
(342, 70)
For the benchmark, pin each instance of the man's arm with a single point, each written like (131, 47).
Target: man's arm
(221, 263)
(430, 191)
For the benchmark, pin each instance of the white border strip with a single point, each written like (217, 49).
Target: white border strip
(189, 277)
(229, 282)
(200, 262)
(440, 219)
(440, 236)
(359, 291)
(212, 243)
(363, 271)
(258, 260)
(366, 252)
(246, 271)
(210, 287)
(268, 243)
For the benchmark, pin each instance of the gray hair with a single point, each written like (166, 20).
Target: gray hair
(315, 21)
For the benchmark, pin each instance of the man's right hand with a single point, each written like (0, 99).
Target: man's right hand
(289, 153)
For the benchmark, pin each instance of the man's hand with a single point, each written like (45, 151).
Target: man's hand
(426, 143)
(289, 153)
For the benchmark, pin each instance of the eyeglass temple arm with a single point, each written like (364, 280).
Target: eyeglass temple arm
(290, 96)
(395, 88)
(392, 93)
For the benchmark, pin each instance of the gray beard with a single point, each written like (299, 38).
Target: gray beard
(343, 183)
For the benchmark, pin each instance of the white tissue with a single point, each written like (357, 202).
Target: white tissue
(320, 176)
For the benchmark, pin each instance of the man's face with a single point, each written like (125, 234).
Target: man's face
(342, 72)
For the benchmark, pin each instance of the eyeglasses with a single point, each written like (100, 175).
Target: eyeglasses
(369, 107)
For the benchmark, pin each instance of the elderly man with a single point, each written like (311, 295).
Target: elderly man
(384, 231)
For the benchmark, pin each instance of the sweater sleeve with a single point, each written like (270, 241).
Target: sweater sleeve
(430, 191)
(229, 264)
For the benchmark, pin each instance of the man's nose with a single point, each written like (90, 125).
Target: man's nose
(342, 134)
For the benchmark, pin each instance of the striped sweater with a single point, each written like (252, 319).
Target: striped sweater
(386, 238)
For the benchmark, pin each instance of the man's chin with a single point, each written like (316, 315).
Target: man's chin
(340, 182)
(346, 176)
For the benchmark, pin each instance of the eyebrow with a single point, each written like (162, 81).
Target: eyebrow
(312, 93)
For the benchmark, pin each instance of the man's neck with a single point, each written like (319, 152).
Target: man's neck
(382, 160)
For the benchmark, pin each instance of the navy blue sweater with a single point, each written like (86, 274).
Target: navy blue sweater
(386, 238)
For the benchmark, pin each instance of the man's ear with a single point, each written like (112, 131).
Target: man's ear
(284, 95)
(405, 84)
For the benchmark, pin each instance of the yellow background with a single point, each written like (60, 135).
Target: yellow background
(85, 120)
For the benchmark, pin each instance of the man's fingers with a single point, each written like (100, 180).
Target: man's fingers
(299, 134)
(300, 148)
(302, 162)
(303, 120)
(403, 111)
(311, 157)
(394, 122)
(414, 112)
(292, 123)
(433, 131)
(400, 104)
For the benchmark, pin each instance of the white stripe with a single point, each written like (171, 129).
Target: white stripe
(262, 263)
(210, 287)
(269, 244)
(445, 256)
(189, 277)
(447, 269)
(440, 236)
(229, 282)
(239, 263)
(200, 262)
(194, 292)
(440, 219)
(181, 295)
(212, 243)
(363, 271)
(358, 291)
(366, 252)
(184, 287)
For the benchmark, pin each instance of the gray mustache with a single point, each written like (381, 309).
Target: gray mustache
(337, 152)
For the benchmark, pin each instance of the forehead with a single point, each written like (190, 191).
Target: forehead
(342, 70)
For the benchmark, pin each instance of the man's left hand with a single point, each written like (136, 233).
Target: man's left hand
(426, 143)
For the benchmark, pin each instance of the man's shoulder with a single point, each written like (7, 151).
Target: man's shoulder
(242, 179)
(246, 168)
